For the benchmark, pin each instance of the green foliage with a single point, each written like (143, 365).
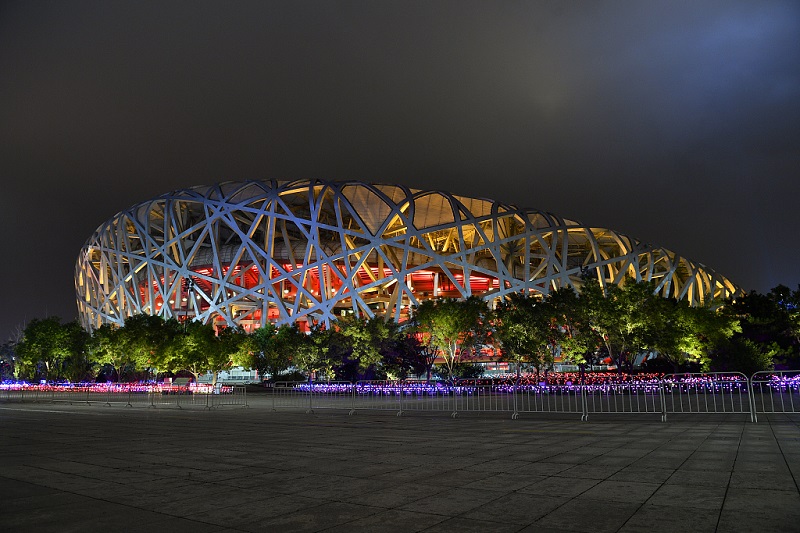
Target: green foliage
(576, 339)
(228, 345)
(270, 349)
(743, 355)
(684, 334)
(772, 319)
(622, 317)
(524, 327)
(199, 349)
(403, 355)
(312, 352)
(452, 327)
(144, 342)
(750, 333)
(365, 338)
(49, 348)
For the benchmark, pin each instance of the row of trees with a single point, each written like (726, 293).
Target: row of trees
(620, 324)
(145, 346)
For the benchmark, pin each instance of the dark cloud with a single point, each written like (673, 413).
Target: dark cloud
(676, 122)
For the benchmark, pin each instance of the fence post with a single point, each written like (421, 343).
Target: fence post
(400, 400)
(310, 409)
(514, 391)
(584, 405)
(454, 414)
(752, 400)
(662, 394)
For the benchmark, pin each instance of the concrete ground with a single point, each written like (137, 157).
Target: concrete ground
(96, 468)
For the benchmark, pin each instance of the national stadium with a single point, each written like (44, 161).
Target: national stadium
(311, 251)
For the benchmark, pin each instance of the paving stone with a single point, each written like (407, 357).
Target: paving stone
(591, 516)
(707, 497)
(702, 478)
(91, 468)
(624, 491)
(670, 519)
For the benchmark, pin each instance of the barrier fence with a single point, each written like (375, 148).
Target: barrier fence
(672, 394)
(129, 395)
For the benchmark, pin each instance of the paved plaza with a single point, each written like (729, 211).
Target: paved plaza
(95, 468)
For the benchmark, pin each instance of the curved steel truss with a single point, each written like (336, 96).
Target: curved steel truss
(250, 252)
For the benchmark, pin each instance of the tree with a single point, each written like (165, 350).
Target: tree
(403, 355)
(743, 355)
(142, 342)
(228, 345)
(271, 349)
(577, 341)
(47, 345)
(190, 350)
(622, 317)
(452, 327)
(364, 340)
(773, 320)
(77, 366)
(144, 338)
(523, 327)
(683, 334)
(104, 349)
(312, 351)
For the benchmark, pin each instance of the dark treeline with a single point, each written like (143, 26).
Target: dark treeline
(753, 332)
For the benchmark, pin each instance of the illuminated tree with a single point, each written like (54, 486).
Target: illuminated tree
(228, 345)
(576, 339)
(622, 318)
(365, 339)
(523, 328)
(271, 349)
(312, 352)
(47, 345)
(452, 327)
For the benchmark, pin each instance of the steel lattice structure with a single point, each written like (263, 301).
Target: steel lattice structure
(312, 250)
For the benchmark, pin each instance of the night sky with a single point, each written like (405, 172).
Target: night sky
(677, 123)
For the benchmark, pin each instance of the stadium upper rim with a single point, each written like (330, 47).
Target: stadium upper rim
(245, 253)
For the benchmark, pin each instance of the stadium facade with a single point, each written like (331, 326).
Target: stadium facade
(244, 253)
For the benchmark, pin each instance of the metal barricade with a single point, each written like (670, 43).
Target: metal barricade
(69, 393)
(544, 398)
(228, 395)
(378, 395)
(290, 395)
(137, 396)
(623, 397)
(330, 395)
(426, 396)
(707, 393)
(480, 395)
(775, 392)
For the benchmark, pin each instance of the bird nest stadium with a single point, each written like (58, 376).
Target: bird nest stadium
(306, 251)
